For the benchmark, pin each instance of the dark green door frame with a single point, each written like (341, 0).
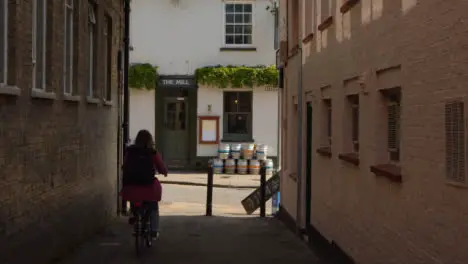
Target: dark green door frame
(190, 94)
(308, 186)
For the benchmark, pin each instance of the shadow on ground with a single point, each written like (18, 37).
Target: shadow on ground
(200, 239)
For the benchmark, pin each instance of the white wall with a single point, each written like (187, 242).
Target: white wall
(264, 119)
(182, 39)
(141, 111)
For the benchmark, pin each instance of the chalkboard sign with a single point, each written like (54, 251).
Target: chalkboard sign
(252, 202)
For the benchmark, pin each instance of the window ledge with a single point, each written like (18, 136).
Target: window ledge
(293, 176)
(308, 38)
(10, 90)
(92, 100)
(238, 49)
(460, 185)
(293, 51)
(326, 23)
(390, 171)
(71, 98)
(347, 5)
(108, 103)
(352, 158)
(41, 94)
(238, 141)
(324, 151)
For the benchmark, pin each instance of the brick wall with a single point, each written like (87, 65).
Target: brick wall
(418, 46)
(58, 154)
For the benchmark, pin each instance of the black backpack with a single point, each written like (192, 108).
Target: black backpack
(138, 168)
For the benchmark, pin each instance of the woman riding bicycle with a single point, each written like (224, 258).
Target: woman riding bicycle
(140, 164)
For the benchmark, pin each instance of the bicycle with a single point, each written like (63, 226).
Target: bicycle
(141, 226)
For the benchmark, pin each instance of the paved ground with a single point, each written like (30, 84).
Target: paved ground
(189, 237)
(220, 180)
(191, 200)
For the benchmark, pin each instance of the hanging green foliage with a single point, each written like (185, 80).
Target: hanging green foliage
(142, 76)
(237, 76)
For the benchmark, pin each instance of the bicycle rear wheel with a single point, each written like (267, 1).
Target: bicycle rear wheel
(138, 235)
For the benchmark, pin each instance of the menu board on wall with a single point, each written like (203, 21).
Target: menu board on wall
(208, 130)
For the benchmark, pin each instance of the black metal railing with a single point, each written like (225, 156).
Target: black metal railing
(209, 190)
(257, 199)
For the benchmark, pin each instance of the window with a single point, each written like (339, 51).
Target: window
(237, 116)
(68, 58)
(393, 99)
(354, 104)
(39, 44)
(455, 141)
(3, 42)
(238, 24)
(108, 58)
(327, 104)
(91, 49)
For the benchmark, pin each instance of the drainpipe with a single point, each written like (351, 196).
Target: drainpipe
(299, 145)
(126, 93)
(278, 136)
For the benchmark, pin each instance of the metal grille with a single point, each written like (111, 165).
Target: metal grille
(393, 130)
(455, 141)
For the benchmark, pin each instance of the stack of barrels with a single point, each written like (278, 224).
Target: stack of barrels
(242, 159)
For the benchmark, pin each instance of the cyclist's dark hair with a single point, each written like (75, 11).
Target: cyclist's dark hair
(144, 139)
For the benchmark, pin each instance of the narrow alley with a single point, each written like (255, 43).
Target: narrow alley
(188, 236)
(349, 117)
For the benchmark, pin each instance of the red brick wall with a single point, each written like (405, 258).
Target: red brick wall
(58, 157)
(423, 219)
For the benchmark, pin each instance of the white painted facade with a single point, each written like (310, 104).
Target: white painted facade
(179, 38)
(264, 120)
(142, 112)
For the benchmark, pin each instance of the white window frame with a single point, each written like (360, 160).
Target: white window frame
(92, 49)
(68, 36)
(252, 24)
(42, 86)
(107, 32)
(4, 39)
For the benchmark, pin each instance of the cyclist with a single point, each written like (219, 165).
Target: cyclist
(139, 183)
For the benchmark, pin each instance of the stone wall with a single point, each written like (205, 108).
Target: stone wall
(58, 153)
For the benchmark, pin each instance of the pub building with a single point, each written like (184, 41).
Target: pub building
(192, 121)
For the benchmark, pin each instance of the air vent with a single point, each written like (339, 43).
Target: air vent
(455, 160)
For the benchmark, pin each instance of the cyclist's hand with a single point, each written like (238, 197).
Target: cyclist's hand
(165, 175)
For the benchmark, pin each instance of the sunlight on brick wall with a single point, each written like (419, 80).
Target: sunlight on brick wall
(407, 5)
(338, 21)
(377, 9)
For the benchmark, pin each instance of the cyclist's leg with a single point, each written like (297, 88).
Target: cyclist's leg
(133, 214)
(154, 219)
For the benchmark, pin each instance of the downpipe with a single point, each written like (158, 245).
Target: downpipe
(126, 92)
(300, 145)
